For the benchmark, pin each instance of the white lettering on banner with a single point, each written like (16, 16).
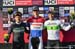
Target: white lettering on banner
(36, 26)
(64, 0)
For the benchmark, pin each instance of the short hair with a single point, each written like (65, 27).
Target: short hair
(18, 14)
(35, 8)
(51, 12)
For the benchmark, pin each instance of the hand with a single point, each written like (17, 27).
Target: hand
(5, 42)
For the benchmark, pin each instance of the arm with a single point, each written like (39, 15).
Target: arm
(45, 28)
(65, 27)
(27, 28)
(29, 20)
(7, 36)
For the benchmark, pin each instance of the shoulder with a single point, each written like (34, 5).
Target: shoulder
(47, 21)
(12, 25)
(57, 21)
(26, 24)
(30, 19)
(41, 17)
(23, 23)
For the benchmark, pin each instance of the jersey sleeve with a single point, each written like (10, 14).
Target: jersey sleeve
(10, 29)
(27, 24)
(27, 27)
(29, 19)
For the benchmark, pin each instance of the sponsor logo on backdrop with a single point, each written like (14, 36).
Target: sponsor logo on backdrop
(69, 2)
(8, 2)
(23, 2)
(50, 2)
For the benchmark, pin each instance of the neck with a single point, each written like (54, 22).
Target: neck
(18, 22)
(35, 16)
(51, 19)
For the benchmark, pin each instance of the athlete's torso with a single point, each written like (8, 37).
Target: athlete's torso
(18, 32)
(36, 26)
(53, 29)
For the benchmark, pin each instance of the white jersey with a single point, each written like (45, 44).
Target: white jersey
(53, 29)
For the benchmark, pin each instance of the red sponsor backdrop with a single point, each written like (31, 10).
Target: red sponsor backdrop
(37, 2)
(65, 2)
(67, 36)
(23, 2)
(28, 2)
(74, 1)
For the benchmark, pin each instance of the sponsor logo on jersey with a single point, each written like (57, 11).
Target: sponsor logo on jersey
(52, 24)
(36, 26)
(19, 29)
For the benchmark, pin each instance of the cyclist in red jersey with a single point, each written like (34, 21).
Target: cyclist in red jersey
(36, 28)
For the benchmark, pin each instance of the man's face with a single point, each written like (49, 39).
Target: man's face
(17, 18)
(35, 13)
(51, 16)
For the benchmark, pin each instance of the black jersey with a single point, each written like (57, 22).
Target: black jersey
(18, 31)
